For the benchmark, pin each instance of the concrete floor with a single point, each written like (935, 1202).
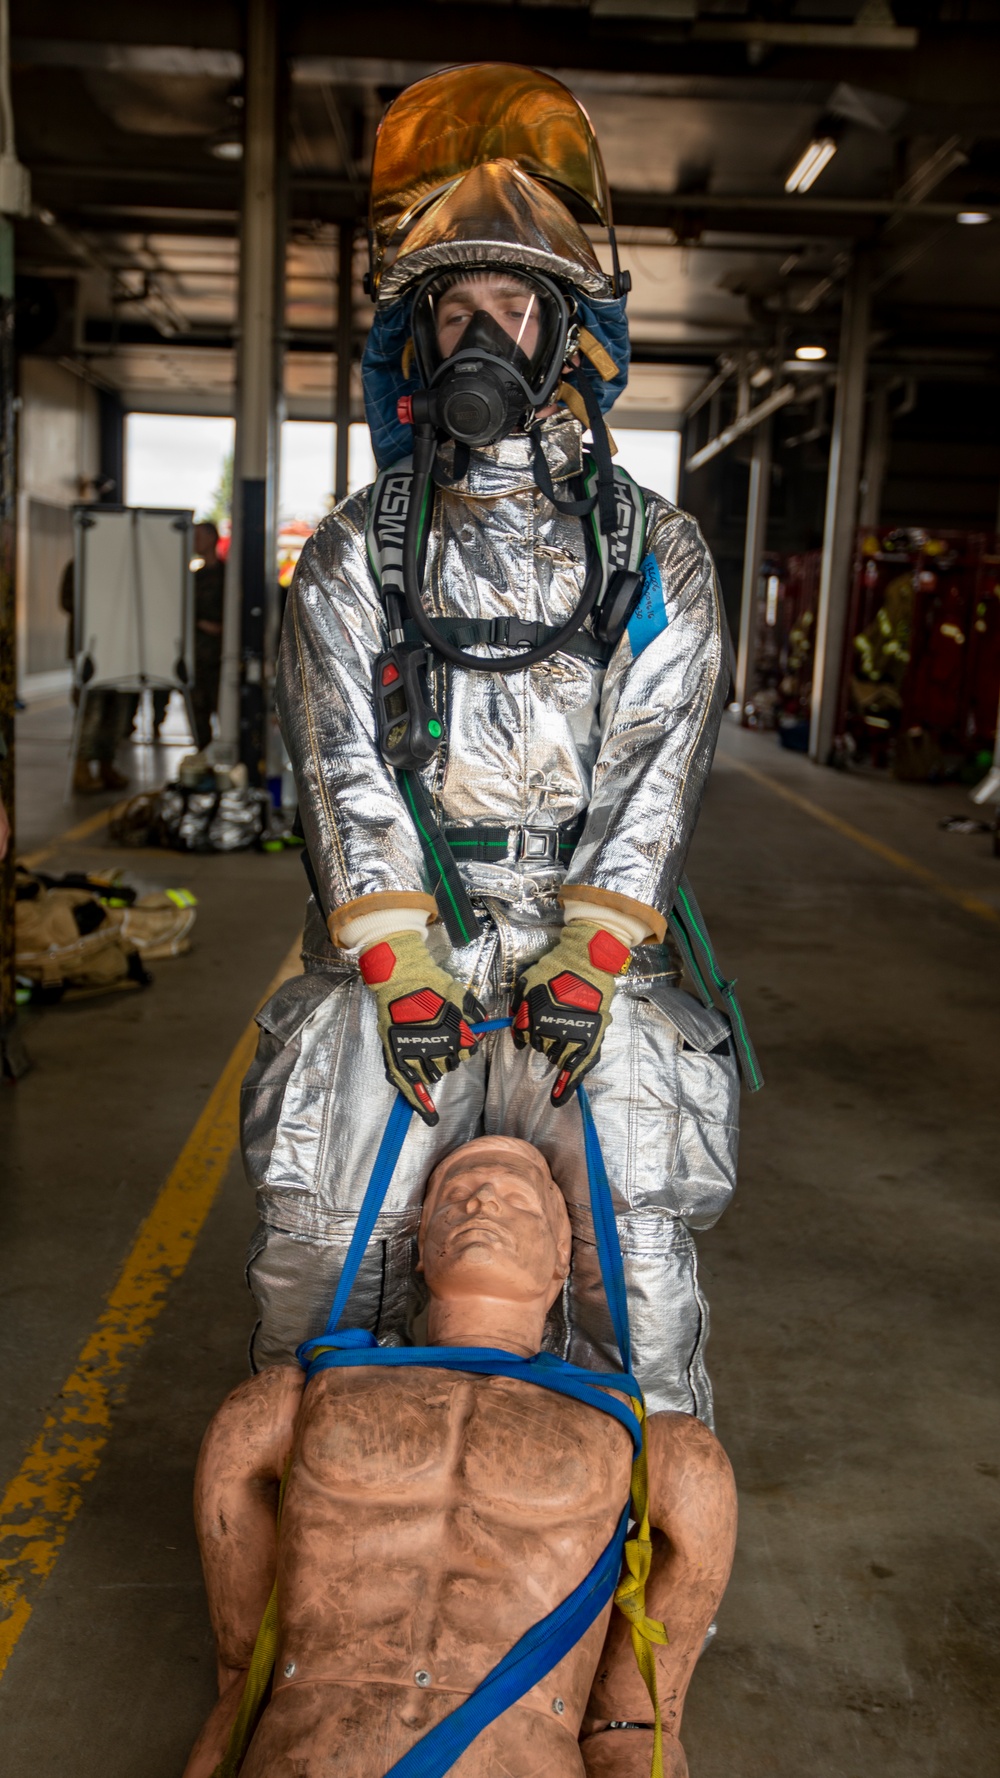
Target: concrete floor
(852, 1284)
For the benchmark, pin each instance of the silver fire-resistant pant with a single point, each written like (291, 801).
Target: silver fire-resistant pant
(664, 1094)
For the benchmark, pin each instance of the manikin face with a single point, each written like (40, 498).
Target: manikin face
(511, 303)
(494, 1225)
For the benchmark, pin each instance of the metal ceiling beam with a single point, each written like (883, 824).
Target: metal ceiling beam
(793, 50)
(780, 203)
(745, 423)
(791, 33)
(631, 208)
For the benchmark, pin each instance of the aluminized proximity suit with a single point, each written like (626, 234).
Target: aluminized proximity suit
(628, 746)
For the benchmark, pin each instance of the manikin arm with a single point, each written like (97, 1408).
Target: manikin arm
(239, 1472)
(692, 1498)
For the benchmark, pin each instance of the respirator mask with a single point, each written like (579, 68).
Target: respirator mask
(490, 346)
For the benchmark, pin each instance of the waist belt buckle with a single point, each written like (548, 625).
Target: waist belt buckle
(539, 843)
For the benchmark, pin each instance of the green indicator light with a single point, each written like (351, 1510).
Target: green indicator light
(434, 728)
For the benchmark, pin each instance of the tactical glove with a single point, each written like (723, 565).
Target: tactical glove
(423, 1016)
(562, 1003)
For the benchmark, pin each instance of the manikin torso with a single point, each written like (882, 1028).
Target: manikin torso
(428, 1522)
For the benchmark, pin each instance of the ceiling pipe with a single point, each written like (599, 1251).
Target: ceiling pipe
(746, 423)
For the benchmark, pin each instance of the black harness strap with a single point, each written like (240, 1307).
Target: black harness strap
(490, 845)
(508, 632)
(388, 511)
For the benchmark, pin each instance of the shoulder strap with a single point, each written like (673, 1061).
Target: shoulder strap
(624, 547)
(687, 922)
(388, 505)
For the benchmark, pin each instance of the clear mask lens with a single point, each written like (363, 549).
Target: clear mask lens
(515, 319)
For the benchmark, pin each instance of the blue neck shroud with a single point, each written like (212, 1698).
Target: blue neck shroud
(546, 1642)
(383, 380)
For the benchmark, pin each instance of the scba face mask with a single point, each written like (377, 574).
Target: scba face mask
(490, 347)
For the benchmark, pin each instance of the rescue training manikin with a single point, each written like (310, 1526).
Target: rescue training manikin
(501, 677)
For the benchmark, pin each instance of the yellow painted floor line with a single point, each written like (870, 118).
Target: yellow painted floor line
(45, 1496)
(82, 831)
(970, 904)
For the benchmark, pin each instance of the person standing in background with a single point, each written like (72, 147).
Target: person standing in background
(209, 590)
(107, 718)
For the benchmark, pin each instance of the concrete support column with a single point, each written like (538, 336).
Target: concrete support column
(345, 319)
(758, 499)
(13, 1060)
(876, 457)
(840, 524)
(251, 578)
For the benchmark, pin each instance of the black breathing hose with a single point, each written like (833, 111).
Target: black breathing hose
(424, 452)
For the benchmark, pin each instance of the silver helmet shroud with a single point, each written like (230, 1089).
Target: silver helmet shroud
(473, 173)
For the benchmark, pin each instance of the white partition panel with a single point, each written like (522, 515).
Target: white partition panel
(133, 595)
(165, 548)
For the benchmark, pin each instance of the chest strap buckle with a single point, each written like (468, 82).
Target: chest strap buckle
(539, 844)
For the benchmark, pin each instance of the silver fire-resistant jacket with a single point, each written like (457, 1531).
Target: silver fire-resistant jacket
(631, 744)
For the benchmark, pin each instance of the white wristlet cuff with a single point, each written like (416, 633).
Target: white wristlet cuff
(625, 927)
(366, 930)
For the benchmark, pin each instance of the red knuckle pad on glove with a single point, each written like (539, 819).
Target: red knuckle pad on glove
(571, 990)
(465, 1036)
(377, 964)
(608, 953)
(521, 1020)
(413, 1009)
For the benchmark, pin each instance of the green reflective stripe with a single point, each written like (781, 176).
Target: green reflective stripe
(726, 989)
(432, 849)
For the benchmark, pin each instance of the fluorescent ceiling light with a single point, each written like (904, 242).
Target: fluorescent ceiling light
(973, 218)
(810, 353)
(229, 148)
(807, 170)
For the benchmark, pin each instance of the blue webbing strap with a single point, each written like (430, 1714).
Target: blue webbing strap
(337, 1351)
(545, 1643)
(537, 1652)
(393, 1137)
(609, 1251)
(602, 1209)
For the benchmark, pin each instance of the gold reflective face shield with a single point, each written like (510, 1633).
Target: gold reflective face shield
(487, 114)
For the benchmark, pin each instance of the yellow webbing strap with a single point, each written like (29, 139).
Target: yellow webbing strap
(258, 1676)
(630, 1594)
(574, 401)
(601, 359)
(409, 353)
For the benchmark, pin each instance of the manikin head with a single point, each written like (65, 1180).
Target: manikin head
(494, 1243)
